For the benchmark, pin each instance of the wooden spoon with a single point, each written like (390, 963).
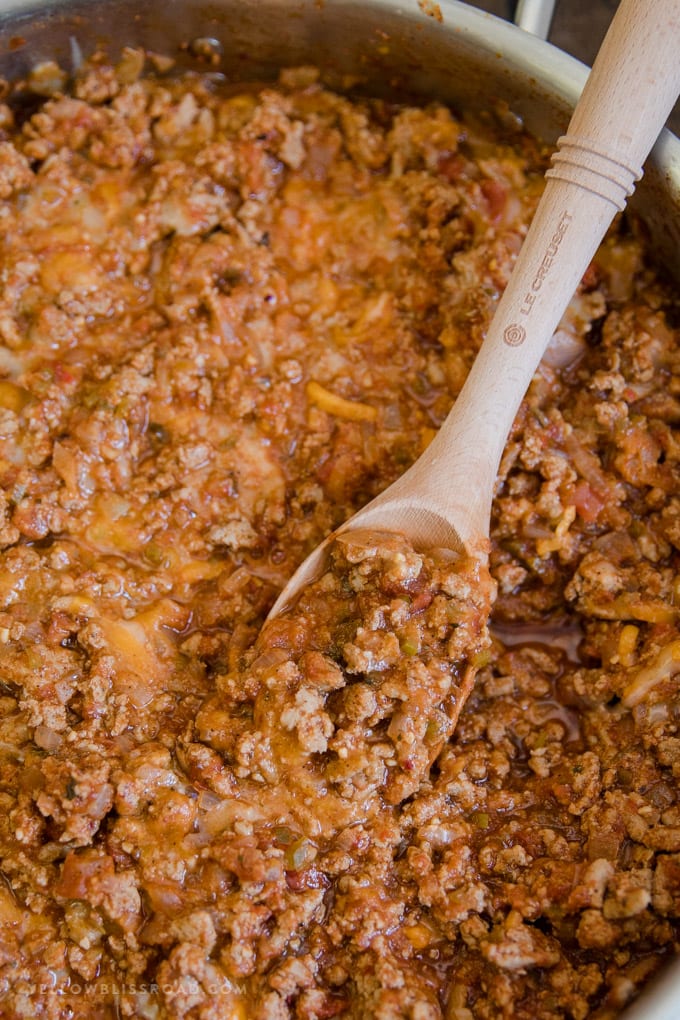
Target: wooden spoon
(444, 499)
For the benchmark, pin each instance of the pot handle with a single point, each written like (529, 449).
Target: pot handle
(535, 16)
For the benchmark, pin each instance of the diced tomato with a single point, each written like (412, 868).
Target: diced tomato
(165, 897)
(331, 1006)
(63, 375)
(450, 165)
(591, 277)
(421, 601)
(588, 504)
(309, 878)
(78, 870)
(496, 195)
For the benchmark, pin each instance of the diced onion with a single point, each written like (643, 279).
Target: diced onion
(47, 739)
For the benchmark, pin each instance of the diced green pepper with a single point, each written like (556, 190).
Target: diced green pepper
(409, 646)
(299, 855)
(285, 836)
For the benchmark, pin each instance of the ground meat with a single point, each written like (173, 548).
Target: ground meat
(228, 318)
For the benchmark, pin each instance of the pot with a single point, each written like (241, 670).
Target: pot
(414, 48)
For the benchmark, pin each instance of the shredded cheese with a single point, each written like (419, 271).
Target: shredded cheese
(353, 410)
(13, 397)
(544, 546)
(665, 665)
(630, 606)
(627, 642)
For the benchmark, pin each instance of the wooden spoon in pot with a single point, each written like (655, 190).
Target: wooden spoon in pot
(444, 499)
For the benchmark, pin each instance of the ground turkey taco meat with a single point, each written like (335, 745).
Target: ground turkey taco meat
(229, 317)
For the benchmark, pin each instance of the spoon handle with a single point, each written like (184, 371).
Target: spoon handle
(627, 98)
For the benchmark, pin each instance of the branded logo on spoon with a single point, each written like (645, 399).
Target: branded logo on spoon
(546, 262)
(514, 335)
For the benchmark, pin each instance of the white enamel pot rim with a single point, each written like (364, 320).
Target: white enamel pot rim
(445, 50)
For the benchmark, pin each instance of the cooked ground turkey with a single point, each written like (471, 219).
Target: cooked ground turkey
(228, 318)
